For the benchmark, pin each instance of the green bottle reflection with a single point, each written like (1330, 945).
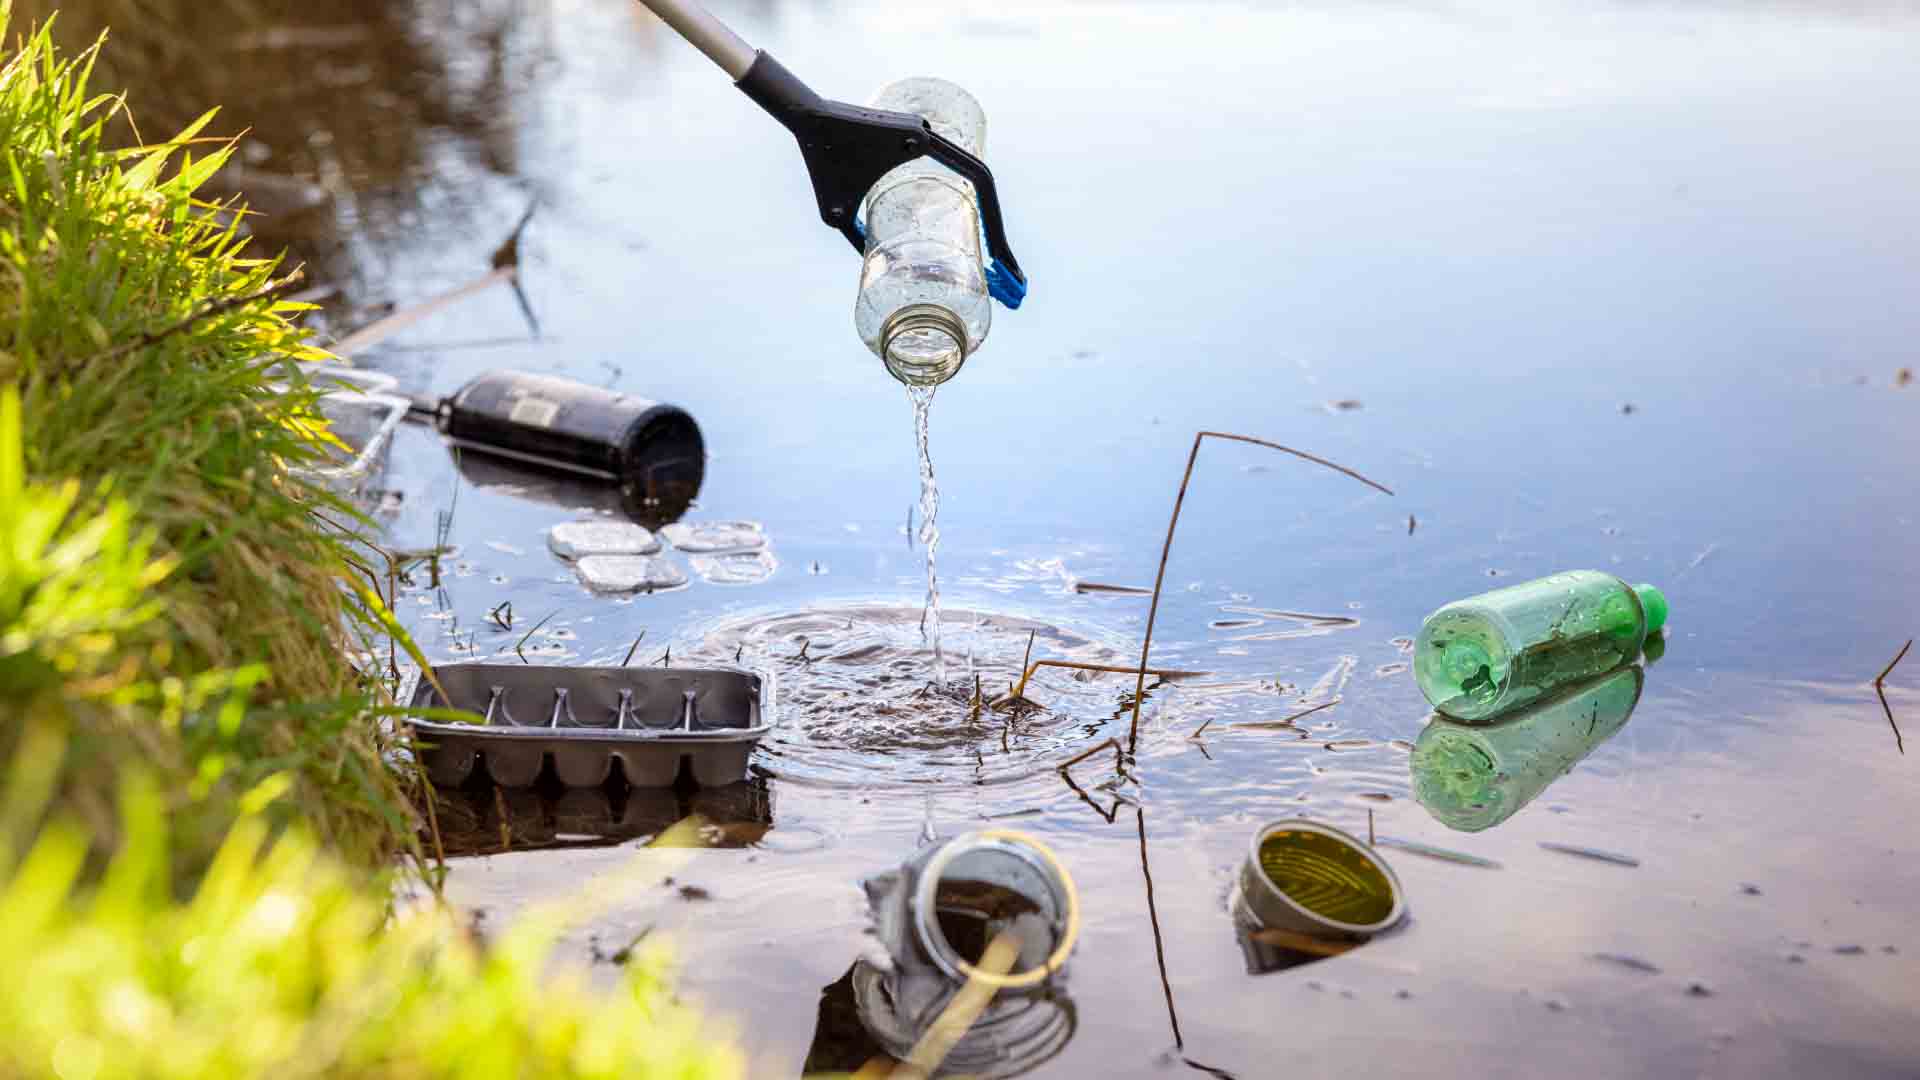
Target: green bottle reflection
(1472, 777)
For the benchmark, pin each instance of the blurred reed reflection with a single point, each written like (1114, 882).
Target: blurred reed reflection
(360, 116)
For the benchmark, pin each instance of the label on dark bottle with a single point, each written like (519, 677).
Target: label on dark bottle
(534, 412)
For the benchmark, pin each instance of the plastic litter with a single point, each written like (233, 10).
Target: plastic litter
(1490, 654)
(650, 452)
(629, 573)
(1472, 777)
(586, 718)
(924, 305)
(740, 568)
(935, 916)
(577, 539)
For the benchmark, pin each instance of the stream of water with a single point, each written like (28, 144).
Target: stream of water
(922, 397)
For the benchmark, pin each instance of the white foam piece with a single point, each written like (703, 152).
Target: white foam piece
(715, 537)
(629, 573)
(738, 568)
(578, 539)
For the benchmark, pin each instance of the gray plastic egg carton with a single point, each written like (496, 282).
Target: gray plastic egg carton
(584, 718)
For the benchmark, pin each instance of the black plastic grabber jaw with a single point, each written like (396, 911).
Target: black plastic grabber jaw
(848, 149)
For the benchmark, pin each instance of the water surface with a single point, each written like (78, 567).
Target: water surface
(1622, 286)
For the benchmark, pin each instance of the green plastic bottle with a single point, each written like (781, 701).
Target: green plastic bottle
(1474, 776)
(1496, 652)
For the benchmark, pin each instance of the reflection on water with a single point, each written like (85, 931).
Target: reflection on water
(1560, 208)
(870, 1013)
(482, 819)
(654, 494)
(1474, 776)
(352, 109)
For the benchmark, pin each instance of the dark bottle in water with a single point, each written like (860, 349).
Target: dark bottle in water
(651, 452)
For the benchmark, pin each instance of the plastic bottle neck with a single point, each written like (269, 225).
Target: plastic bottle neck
(923, 344)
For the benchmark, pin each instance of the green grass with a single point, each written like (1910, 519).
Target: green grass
(199, 807)
(133, 328)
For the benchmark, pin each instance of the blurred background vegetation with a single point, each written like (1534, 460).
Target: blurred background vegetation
(343, 108)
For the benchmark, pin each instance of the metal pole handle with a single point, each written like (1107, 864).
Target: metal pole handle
(706, 33)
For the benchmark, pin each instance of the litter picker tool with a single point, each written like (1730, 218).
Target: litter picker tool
(847, 148)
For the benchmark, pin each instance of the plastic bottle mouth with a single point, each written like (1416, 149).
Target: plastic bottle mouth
(923, 344)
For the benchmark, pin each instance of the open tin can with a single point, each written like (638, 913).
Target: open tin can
(1311, 879)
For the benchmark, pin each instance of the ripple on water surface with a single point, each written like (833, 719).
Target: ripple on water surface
(858, 706)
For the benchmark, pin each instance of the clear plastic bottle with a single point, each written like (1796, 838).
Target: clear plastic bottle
(924, 306)
(1493, 653)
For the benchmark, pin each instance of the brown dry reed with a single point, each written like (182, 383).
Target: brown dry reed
(1166, 549)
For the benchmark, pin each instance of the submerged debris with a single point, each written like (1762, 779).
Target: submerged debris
(1595, 854)
(1414, 847)
(1628, 961)
(1121, 590)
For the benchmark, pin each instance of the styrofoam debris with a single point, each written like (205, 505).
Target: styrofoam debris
(629, 573)
(578, 539)
(738, 568)
(715, 537)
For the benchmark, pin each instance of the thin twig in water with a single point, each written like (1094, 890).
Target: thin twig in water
(1109, 814)
(803, 658)
(1027, 660)
(1166, 549)
(1017, 693)
(666, 658)
(1153, 917)
(628, 659)
(1879, 687)
(1202, 729)
(502, 616)
(1119, 762)
(530, 633)
(1289, 721)
(1369, 826)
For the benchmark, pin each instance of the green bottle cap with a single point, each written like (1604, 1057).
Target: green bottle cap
(1654, 603)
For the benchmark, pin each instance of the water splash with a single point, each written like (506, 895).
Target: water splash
(922, 397)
